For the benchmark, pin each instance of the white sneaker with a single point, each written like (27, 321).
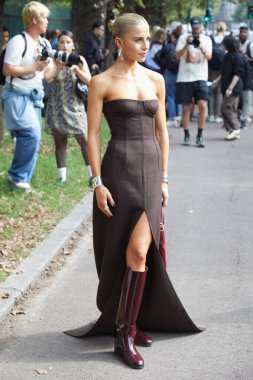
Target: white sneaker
(24, 186)
(248, 119)
(234, 135)
(211, 119)
(218, 119)
(172, 123)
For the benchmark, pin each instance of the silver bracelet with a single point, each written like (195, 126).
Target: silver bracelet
(165, 177)
(96, 182)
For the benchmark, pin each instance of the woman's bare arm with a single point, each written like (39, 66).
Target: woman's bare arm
(96, 96)
(162, 133)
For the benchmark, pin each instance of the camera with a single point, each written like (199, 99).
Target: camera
(95, 71)
(68, 58)
(195, 41)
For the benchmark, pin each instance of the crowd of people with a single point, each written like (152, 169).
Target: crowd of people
(198, 85)
(191, 61)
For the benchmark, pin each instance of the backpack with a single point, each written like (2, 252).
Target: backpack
(250, 60)
(218, 54)
(248, 74)
(2, 77)
(172, 63)
(160, 60)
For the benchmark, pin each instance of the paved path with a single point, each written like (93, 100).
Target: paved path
(209, 236)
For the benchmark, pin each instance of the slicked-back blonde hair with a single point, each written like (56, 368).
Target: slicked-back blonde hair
(32, 10)
(124, 22)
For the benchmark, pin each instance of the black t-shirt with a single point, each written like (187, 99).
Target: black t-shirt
(232, 64)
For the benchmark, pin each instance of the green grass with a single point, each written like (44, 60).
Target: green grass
(27, 218)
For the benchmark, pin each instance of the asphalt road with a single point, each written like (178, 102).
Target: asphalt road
(209, 245)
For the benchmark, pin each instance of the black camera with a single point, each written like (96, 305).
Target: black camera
(195, 40)
(95, 71)
(68, 58)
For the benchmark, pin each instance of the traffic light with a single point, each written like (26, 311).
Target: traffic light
(250, 12)
(208, 16)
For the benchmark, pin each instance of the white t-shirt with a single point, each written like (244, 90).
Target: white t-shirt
(244, 47)
(193, 64)
(13, 56)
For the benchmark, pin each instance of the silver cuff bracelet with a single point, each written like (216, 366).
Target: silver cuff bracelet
(165, 177)
(96, 182)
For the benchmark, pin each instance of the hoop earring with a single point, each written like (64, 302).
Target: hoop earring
(120, 54)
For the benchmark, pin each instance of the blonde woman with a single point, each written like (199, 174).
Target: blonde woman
(128, 188)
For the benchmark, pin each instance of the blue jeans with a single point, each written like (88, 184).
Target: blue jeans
(170, 83)
(22, 110)
(26, 153)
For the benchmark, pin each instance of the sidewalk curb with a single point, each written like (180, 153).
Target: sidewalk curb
(31, 268)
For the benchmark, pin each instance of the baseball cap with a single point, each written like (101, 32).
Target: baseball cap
(196, 22)
(174, 25)
(244, 26)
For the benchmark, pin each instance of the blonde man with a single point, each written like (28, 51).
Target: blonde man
(23, 92)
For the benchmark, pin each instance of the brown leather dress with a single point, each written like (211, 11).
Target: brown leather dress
(131, 169)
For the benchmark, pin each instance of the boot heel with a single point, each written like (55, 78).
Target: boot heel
(118, 351)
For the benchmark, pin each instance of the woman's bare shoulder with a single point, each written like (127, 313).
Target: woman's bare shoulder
(154, 76)
(100, 83)
(100, 79)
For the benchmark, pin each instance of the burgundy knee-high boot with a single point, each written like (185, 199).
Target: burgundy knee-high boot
(142, 339)
(129, 305)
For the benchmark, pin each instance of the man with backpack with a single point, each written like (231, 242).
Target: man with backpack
(214, 72)
(23, 93)
(246, 49)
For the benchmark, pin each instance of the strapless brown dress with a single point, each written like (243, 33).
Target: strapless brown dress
(132, 171)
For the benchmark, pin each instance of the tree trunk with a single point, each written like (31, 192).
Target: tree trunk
(1, 20)
(84, 14)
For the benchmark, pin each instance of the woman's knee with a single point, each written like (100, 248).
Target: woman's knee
(81, 140)
(225, 108)
(138, 254)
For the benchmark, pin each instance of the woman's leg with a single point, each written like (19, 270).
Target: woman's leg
(131, 296)
(60, 153)
(138, 245)
(82, 141)
(229, 113)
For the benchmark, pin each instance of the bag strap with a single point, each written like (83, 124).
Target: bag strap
(23, 54)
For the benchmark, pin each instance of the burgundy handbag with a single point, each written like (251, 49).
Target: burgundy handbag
(162, 246)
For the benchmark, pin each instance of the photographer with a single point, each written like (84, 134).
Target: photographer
(23, 93)
(65, 112)
(194, 50)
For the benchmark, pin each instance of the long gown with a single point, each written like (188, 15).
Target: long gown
(131, 170)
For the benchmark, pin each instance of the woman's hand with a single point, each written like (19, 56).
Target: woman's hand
(104, 196)
(82, 71)
(165, 194)
(228, 92)
(74, 68)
